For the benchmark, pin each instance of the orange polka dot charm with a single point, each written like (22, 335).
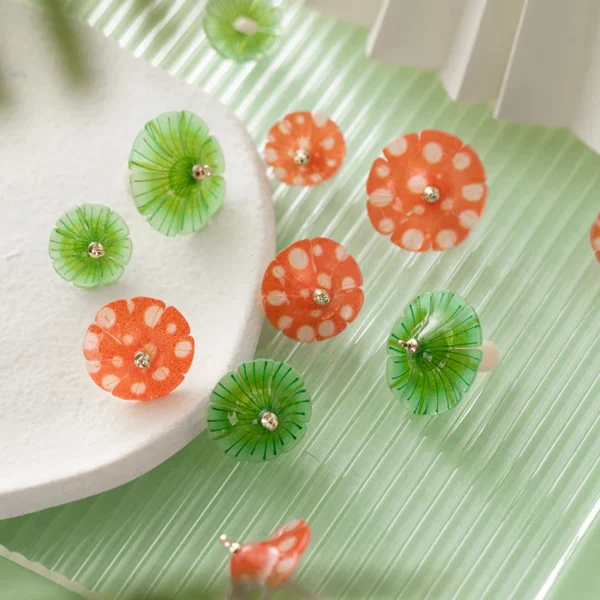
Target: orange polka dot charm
(270, 563)
(427, 191)
(312, 290)
(305, 148)
(595, 237)
(138, 349)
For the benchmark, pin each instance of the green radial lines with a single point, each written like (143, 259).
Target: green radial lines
(432, 376)
(163, 186)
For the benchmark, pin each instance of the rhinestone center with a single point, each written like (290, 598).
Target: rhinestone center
(431, 193)
(200, 172)
(229, 544)
(301, 157)
(321, 297)
(96, 250)
(411, 347)
(142, 360)
(269, 421)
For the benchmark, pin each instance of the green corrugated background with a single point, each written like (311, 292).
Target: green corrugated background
(481, 503)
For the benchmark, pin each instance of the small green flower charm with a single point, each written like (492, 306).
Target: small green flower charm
(259, 411)
(242, 30)
(90, 246)
(433, 352)
(176, 173)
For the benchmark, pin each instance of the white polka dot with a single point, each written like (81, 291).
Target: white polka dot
(286, 566)
(130, 305)
(280, 173)
(326, 328)
(106, 317)
(316, 313)
(138, 388)
(285, 127)
(152, 315)
(298, 258)
(300, 119)
(346, 312)
(117, 361)
(446, 238)
(324, 280)
(284, 322)
(171, 328)
(109, 382)
(348, 283)
(90, 341)
(596, 244)
(397, 206)
(381, 197)
(320, 120)
(305, 293)
(412, 239)
(383, 170)
(183, 348)
(271, 155)
(287, 544)
(305, 333)
(303, 143)
(461, 161)
(386, 226)
(331, 162)
(416, 184)
(398, 146)
(270, 138)
(290, 526)
(127, 339)
(161, 373)
(276, 297)
(419, 209)
(317, 250)
(278, 271)
(316, 177)
(468, 218)
(433, 152)
(298, 180)
(328, 143)
(340, 253)
(93, 366)
(473, 192)
(447, 204)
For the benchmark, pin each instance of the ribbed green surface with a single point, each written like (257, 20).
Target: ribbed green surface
(479, 503)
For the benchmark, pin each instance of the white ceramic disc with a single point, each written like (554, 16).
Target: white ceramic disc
(61, 437)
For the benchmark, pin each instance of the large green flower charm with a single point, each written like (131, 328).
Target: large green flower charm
(90, 246)
(242, 30)
(176, 173)
(259, 411)
(433, 352)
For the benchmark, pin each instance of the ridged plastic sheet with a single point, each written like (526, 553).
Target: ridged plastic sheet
(487, 501)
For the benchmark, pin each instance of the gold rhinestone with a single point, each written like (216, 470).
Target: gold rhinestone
(96, 250)
(321, 297)
(302, 157)
(269, 421)
(142, 360)
(200, 172)
(431, 194)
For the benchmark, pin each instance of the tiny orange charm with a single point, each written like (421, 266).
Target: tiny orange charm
(312, 290)
(427, 191)
(305, 148)
(138, 349)
(270, 563)
(595, 237)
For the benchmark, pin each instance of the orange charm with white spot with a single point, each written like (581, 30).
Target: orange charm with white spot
(312, 290)
(595, 237)
(138, 349)
(305, 148)
(270, 563)
(427, 191)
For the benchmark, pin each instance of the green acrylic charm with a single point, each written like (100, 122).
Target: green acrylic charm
(433, 352)
(242, 30)
(90, 246)
(176, 173)
(259, 411)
